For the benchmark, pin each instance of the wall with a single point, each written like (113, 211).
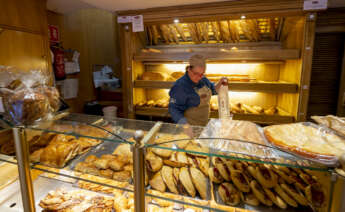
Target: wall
(93, 33)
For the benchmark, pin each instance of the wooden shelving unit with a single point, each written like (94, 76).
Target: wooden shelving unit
(269, 87)
(258, 118)
(231, 55)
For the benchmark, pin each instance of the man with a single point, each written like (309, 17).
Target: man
(190, 95)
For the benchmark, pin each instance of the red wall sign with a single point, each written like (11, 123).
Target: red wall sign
(54, 35)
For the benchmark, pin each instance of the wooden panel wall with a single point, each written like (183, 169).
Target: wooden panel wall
(94, 34)
(23, 35)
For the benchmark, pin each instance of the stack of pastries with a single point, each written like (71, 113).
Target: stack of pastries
(255, 184)
(247, 109)
(117, 166)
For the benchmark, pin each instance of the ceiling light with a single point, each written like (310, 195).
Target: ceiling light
(243, 17)
(176, 21)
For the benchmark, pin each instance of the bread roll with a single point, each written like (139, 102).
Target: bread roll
(153, 76)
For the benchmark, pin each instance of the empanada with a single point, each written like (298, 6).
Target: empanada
(200, 181)
(157, 182)
(186, 181)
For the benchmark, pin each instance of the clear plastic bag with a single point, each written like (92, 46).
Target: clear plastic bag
(26, 97)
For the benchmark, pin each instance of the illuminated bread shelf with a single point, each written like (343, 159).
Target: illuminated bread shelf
(258, 118)
(237, 55)
(270, 87)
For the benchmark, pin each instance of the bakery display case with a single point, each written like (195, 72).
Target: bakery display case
(264, 56)
(229, 165)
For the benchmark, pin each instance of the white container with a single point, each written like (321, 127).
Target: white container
(110, 113)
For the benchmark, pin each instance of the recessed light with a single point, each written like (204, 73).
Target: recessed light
(243, 17)
(176, 21)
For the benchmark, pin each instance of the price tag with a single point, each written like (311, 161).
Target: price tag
(2, 109)
(138, 23)
(315, 4)
(124, 19)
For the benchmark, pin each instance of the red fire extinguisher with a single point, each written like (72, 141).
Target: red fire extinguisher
(59, 64)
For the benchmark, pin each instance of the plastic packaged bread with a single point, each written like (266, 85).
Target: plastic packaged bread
(335, 123)
(307, 140)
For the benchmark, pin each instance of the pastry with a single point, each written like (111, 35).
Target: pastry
(305, 140)
(186, 181)
(157, 182)
(153, 162)
(214, 175)
(260, 193)
(298, 196)
(165, 153)
(240, 181)
(315, 195)
(200, 181)
(224, 171)
(203, 164)
(107, 173)
(168, 178)
(250, 199)
(177, 159)
(284, 176)
(123, 176)
(101, 163)
(125, 151)
(309, 180)
(100, 188)
(194, 148)
(289, 200)
(116, 164)
(90, 159)
(179, 186)
(266, 177)
(148, 75)
(229, 194)
(333, 122)
(275, 199)
(86, 168)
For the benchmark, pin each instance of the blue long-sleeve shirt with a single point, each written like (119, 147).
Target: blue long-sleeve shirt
(183, 95)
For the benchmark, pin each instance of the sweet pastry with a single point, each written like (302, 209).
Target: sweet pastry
(229, 194)
(315, 195)
(101, 163)
(179, 186)
(157, 182)
(266, 177)
(87, 168)
(177, 159)
(124, 150)
(165, 153)
(153, 162)
(224, 171)
(99, 188)
(240, 181)
(117, 163)
(260, 193)
(90, 159)
(186, 181)
(284, 176)
(168, 178)
(200, 181)
(214, 175)
(275, 199)
(203, 164)
(107, 173)
(306, 140)
(289, 200)
(309, 180)
(298, 196)
(123, 176)
(250, 199)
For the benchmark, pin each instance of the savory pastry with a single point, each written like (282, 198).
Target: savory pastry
(240, 181)
(153, 162)
(186, 181)
(224, 171)
(250, 199)
(260, 193)
(284, 176)
(275, 199)
(177, 159)
(107, 173)
(165, 153)
(203, 164)
(229, 194)
(90, 159)
(101, 163)
(299, 183)
(35, 156)
(157, 182)
(252, 171)
(298, 196)
(179, 186)
(266, 177)
(309, 180)
(289, 200)
(214, 175)
(168, 178)
(125, 151)
(194, 148)
(123, 176)
(315, 195)
(117, 163)
(99, 188)
(200, 181)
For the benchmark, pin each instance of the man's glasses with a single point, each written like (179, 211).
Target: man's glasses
(197, 74)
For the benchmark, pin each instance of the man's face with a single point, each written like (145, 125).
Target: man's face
(196, 73)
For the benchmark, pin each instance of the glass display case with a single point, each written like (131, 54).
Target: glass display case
(98, 165)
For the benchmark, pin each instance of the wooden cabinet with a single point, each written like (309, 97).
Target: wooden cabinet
(25, 15)
(25, 51)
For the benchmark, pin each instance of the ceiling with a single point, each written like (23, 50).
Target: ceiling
(68, 6)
